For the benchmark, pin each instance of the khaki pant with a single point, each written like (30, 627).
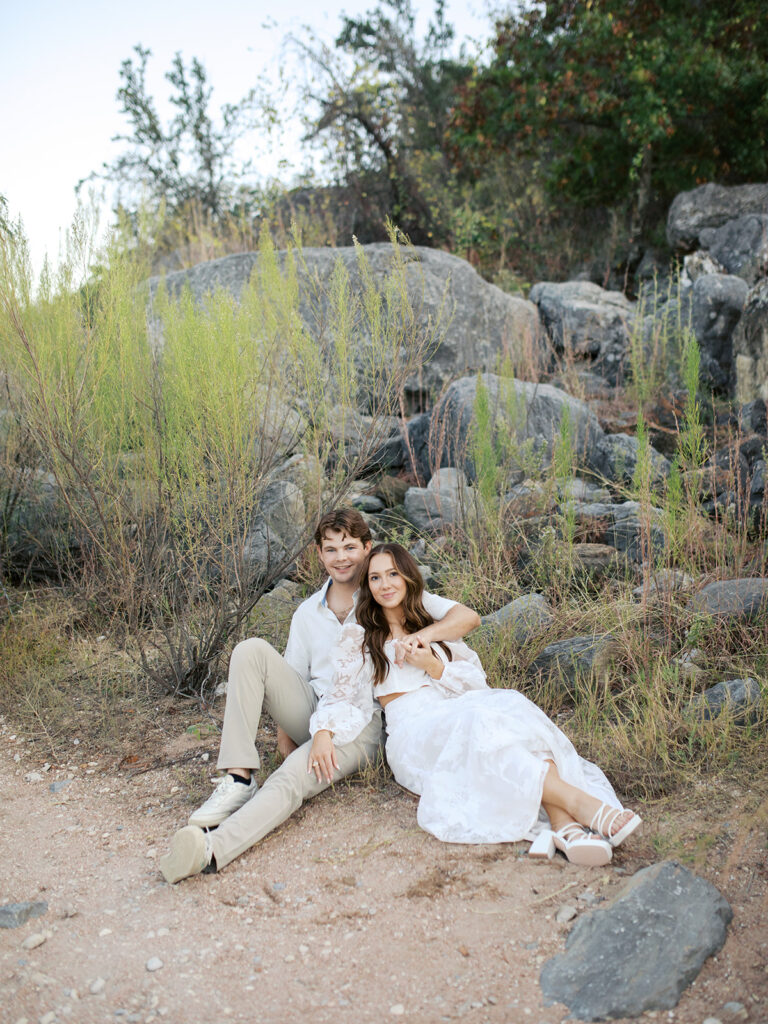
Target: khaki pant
(260, 677)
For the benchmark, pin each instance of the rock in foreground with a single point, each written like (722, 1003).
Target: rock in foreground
(642, 951)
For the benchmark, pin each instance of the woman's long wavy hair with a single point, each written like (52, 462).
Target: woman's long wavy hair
(370, 615)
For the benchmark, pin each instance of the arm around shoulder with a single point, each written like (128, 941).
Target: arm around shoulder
(457, 622)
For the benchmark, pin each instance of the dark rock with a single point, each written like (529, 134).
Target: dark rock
(710, 206)
(569, 661)
(14, 915)
(752, 417)
(594, 559)
(526, 617)
(732, 599)
(59, 784)
(740, 245)
(742, 698)
(634, 533)
(528, 499)
(750, 346)
(641, 951)
(614, 457)
(588, 321)
(717, 303)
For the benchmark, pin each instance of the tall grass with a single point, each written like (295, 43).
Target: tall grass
(167, 422)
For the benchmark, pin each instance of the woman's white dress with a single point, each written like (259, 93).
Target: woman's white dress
(477, 756)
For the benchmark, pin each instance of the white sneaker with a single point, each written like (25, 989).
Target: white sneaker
(228, 797)
(190, 853)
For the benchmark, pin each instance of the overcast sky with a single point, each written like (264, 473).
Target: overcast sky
(59, 76)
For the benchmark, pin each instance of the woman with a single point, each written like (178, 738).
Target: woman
(489, 765)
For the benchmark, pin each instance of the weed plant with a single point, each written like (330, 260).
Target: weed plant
(165, 424)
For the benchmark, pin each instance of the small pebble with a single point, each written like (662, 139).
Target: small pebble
(397, 1010)
(56, 787)
(47, 1018)
(33, 777)
(34, 940)
(154, 963)
(735, 1009)
(566, 913)
(711, 1020)
(588, 897)
(290, 958)
(97, 986)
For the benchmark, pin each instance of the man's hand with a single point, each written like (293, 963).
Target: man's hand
(322, 756)
(407, 644)
(422, 656)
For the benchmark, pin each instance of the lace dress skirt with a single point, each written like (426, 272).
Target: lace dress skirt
(478, 762)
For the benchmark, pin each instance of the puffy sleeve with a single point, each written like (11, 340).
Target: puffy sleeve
(463, 673)
(348, 705)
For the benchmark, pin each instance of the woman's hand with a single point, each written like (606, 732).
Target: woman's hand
(422, 656)
(322, 756)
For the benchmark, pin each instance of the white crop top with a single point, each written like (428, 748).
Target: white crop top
(348, 706)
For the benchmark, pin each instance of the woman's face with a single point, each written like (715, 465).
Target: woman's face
(386, 584)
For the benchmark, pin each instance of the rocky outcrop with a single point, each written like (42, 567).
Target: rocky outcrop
(750, 346)
(482, 324)
(717, 303)
(614, 457)
(740, 245)
(444, 502)
(588, 321)
(711, 206)
(642, 951)
(527, 416)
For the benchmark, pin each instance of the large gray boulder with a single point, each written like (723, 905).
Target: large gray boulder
(588, 320)
(525, 418)
(643, 950)
(750, 346)
(711, 206)
(276, 530)
(717, 304)
(482, 324)
(740, 245)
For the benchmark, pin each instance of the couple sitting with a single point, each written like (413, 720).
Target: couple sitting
(489, 765)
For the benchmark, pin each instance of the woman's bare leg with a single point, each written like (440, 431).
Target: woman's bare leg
(565, 803)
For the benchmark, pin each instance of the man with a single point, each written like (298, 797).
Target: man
(290, 687)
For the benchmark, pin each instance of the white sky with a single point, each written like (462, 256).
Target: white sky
(59, 79)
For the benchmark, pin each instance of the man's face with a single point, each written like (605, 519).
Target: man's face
(342, 555)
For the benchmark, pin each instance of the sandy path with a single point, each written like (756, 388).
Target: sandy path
(347, 914)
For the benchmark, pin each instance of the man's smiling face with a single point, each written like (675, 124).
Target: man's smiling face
(342, 555)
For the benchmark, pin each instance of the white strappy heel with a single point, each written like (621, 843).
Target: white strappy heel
(604, 819)
(580, 847)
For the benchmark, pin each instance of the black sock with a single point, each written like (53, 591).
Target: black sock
(239, 778)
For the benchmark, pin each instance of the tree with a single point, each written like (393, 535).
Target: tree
(627, 99)
(384, 103)
(186, 163)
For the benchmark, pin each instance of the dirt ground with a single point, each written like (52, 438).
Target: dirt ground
(349, 913)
